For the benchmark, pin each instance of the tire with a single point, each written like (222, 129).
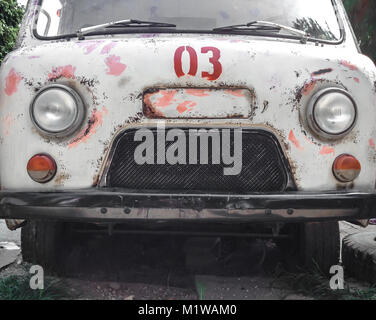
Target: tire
(319, 245)
(42, 243)
(359, 256)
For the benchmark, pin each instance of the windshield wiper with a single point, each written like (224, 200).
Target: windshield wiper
(264, 26)
(124, 23)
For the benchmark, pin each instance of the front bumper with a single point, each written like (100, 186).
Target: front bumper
(114, 205)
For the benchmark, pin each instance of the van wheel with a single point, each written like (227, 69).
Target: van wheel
(319, 245)
(42, 243)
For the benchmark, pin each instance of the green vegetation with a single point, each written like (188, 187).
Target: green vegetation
(10, 18)
(362, 14)
(201, 290)
(18, 288)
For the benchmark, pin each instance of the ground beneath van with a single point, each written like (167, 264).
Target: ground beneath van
(167, 268)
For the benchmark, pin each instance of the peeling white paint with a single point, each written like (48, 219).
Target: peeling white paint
(112, 73)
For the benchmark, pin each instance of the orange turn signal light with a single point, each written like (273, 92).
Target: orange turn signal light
(346, 168)
(41, 168)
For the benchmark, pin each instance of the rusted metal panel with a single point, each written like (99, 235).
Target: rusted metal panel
(196, 103)
(14, 224)
(112, 73)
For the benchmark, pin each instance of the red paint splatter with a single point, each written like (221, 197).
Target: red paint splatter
(235, 93)
(327, 150)
(108, 47)
(186, 106)
(356, 80)
(349, 65)
(149, 35)
(62, 72)
(308, 140)
(115, 67)
(295, 141)
(90, 46)
(308, 87)
(372, 143)
(166, 99)
(96, 119)
(198, 92)
(11, 82)
(7, 122)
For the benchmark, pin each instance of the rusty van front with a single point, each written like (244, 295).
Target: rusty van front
(259, 113)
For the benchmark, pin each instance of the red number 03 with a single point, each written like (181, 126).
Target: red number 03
(193, 66)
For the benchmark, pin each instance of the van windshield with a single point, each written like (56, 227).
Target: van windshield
(61, 17)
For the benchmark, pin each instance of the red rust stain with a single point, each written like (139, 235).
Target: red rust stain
(372, 143)
(147, 97)
(105, 110)
(11, 82)
(295, 141)
(61, 178)
(96, 120)
(349, 65)
(166, 99)
(108, 47)
(327, 150)
(115, 67)
(308, 87)
(186, 106)
(198, 92)
(62, 72)
(149, 110)
(356, 80)
(235, 93)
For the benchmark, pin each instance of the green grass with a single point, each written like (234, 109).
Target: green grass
(201, 290)
(316, 285)
(18, 288)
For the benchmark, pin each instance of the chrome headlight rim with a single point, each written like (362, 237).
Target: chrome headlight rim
(79, 115)
(311, 114)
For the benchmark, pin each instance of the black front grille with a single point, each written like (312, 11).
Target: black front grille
(264, 167)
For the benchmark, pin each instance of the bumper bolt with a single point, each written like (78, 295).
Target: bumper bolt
(103, 210)
(127, 211)
(290, 211)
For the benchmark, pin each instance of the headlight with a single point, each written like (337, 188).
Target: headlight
(57, 110)
(332, 112)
